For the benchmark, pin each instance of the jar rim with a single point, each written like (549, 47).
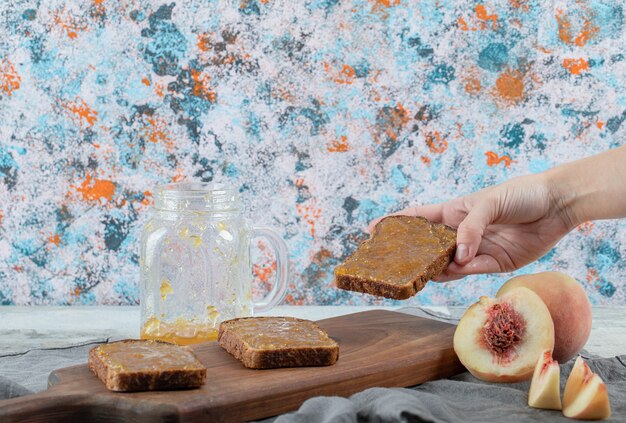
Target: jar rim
(196, 196)
(193, 187)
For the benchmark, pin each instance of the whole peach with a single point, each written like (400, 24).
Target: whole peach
(568, 305)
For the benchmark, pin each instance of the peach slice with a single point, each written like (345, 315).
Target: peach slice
(585, 396)
(499, 339)
(569, 307)
(575, 380)
(545, 390)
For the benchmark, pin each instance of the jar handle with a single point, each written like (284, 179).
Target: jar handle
(279, 288)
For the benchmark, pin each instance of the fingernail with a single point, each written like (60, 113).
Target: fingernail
(461, 252)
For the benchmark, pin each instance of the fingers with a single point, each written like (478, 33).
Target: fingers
(432, 212)
(373, 223)
(480, 264)
(470, 233)
(444, 277)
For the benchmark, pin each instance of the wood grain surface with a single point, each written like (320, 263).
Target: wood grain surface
(377, 348)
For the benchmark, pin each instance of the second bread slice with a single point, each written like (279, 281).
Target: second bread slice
(403, 254)
(272, 342)
(144, 365)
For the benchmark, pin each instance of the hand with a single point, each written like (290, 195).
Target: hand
(500, 228)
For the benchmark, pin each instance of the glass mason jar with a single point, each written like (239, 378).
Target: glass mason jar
(195, 263)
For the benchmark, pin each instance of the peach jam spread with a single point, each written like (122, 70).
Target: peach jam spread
(278, 332)
(144, 356)
(179, 332)
(401, 248)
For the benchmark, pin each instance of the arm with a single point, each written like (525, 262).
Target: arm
(592, 188)
(504, 227)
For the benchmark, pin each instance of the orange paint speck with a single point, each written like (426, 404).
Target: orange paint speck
(436, 144)
(544, 50)
(481, 13)
(462, 24)
(472, 86)
(147, 198)
(201, 85)
(339, 146)
(99, 8)
(384, 4)
(565, 30)
(69, 24)
(592, 275)
(493, 159)
(576, 66)
(585, 227)
(56, 239)
(391, 122)
(1, 217)
(159, 90)
(345, 76)
(481, 20)
(146, 81)
(585, 35)
(600, 124)
(484, 17)
(425, 160)
(156, 133)
(82, 111)
(156, 130)
(9, 79)
(204, 42)
(510, 85)
(264, 272)
(520, 4)
(310, 213)
(96, 189)
(380, 7)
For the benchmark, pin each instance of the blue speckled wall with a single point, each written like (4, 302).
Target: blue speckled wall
(325, 113)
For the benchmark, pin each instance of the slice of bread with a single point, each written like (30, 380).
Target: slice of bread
(403, 254)
(272, 342)
(144, 365)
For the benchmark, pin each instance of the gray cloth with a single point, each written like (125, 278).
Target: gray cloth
(459, 399)
(462, 398)
(27, 372)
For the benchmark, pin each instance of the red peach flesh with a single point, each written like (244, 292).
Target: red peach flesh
(504, 329)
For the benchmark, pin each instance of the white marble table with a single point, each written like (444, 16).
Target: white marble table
(26, 328)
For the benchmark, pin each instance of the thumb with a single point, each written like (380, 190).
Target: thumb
(470, 232)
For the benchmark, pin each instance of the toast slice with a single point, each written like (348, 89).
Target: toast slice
(403, 254)
(145, 365)
(273, 342)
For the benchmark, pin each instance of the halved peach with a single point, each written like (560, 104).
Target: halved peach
(499, 339)
(569, 307)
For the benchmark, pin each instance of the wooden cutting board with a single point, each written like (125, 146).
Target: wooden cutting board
(377, 348)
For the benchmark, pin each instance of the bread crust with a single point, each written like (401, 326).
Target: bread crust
(120, 380)
(272, 358)
(394, 290)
